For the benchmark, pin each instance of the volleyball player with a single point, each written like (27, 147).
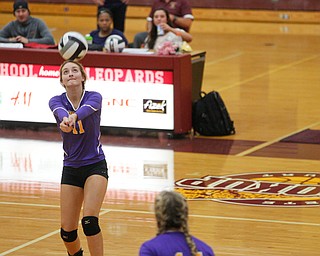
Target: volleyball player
(173, 237)
(85, 175)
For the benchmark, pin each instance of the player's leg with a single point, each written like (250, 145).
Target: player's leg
(71, 198)
(94, 193)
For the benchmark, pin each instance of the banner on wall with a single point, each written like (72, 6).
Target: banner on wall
(131, 98)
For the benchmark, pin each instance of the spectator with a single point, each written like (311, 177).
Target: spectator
(161, 23)
(105, 29)
(118, 9)
(25, 29)
(173, 237)
(180, 17)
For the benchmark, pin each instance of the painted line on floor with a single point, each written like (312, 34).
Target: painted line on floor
(270, 72)
(231, 218)
(268, 143)
(104, 211)
(30, 242)
(39, 238)
(228, 57)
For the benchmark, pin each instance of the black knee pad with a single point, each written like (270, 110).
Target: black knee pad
(69, 236)
(90, 225)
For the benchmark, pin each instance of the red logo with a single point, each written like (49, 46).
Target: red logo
(286, 189)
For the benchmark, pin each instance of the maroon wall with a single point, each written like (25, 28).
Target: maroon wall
(297, 5)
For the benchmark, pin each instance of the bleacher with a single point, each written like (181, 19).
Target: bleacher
(293, 11)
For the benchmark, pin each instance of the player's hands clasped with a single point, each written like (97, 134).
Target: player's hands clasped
(68, 123)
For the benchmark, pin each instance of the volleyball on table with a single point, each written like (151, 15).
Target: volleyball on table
(114, 43)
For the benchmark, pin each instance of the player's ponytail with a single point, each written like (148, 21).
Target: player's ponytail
(190, 242)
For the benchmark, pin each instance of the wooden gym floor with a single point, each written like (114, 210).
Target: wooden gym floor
(268, 75)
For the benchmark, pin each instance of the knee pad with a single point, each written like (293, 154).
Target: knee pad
(69, 236)
(90, 225)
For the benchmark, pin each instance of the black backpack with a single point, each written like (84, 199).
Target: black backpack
(210, 116)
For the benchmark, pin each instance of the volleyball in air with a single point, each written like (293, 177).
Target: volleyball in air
(73, 46)
(114, 43)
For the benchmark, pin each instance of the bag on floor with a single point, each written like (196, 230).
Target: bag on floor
(210, 116)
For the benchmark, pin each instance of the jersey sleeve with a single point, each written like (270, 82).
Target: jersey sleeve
(92, 104)
(57, 108)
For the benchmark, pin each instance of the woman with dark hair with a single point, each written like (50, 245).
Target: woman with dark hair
(162, 31)
(173, 237)
(180, 16)
(105, 29)
(118, 9)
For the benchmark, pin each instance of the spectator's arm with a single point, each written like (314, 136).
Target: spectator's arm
(6, 35)
(181, 22)
(45, 34)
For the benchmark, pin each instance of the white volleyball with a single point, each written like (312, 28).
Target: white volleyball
(73, 46)
(114, 43)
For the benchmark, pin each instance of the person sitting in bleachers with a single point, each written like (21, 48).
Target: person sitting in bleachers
(162, 31)
(25, 29)
(105, 29)
(180, 15)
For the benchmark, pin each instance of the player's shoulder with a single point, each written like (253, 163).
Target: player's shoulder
(58, 97)
(203, 246)
(57, 100)
(93, 94)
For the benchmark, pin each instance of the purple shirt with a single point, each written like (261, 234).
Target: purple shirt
(171, 243)
(82, 145)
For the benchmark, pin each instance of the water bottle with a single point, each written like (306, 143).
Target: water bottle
(160, 31)
(89, 38)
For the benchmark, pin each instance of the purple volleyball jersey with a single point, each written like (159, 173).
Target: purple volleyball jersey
(82, 145)
(173, 244)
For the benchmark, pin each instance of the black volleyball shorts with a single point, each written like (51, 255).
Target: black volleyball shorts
(78, 176)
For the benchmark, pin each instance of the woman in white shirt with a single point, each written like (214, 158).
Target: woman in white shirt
(162, 31)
